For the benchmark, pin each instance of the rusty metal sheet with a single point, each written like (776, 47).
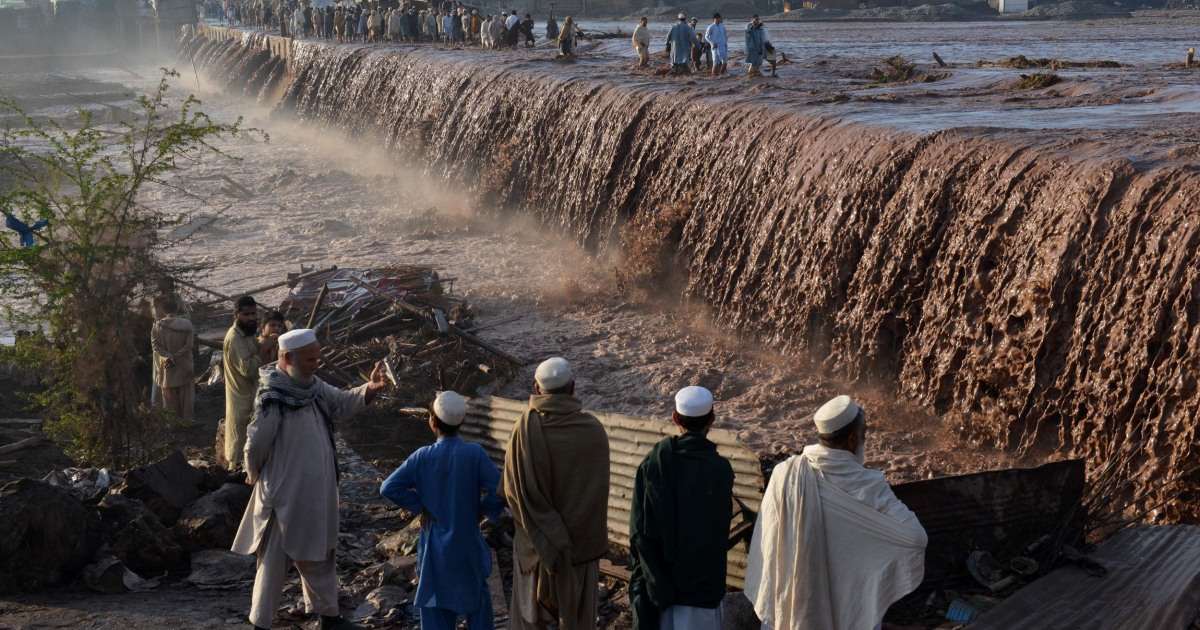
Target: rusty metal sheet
(1153, 581)
(630, 438)
(999, 511)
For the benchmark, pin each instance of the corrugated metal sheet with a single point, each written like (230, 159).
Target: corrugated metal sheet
(1153, 582)
(630, 438)
(999, 511)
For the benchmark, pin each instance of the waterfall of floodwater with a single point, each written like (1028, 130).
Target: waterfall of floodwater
(1046, 296)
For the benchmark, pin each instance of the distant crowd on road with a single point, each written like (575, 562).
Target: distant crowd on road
(451, 22)
(447, 22)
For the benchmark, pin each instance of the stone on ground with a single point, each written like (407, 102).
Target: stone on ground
(135, 536)
(166, 487)
(46, 535)
(212, 521)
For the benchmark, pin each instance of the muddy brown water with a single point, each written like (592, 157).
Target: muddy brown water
(1034, 288)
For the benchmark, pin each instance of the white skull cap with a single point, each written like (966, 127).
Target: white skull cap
(296, 339)
(693, 401)
(450, 408)
(835, 414)
(553, 374)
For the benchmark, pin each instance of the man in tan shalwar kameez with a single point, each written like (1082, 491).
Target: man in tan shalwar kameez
(166, 292)
(556, 484)
(291, 460)
(171, 340)
(243, 356)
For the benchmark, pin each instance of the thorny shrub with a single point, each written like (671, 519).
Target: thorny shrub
(99, 255)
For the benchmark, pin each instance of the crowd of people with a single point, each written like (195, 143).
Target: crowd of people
(832, 546)
(690, 50)
(379, 21)
(450, 22)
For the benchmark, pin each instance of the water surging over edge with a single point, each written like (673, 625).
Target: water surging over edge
(1045, 298)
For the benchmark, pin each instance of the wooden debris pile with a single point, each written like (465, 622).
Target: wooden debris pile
(406, 316)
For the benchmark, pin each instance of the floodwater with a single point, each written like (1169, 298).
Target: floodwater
(957, 42)
(322, 199)
(350, 183)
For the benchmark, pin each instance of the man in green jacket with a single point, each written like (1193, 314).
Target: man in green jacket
(679, 528)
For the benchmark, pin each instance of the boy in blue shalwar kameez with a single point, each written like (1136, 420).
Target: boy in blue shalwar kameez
(449, 484)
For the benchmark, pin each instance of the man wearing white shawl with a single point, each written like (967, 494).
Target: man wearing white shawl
(834, 547)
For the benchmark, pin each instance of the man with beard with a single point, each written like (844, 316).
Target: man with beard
(242, 358)
(833, 547)
(291, 460)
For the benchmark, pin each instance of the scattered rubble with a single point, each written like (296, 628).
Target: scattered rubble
(166, 487)
(46, 535)
(134, 535)
(110, 576)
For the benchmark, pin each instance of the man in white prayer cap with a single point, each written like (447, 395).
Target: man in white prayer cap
(449, 484)
(291, 460)
(556, 484)
(679, 524)
(833, 547)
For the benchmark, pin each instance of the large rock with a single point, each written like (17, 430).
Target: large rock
(212, 521)
(221, 569)
(46, 535)
(135, 536)
(166, 487)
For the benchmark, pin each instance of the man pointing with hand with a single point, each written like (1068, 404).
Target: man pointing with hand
(291, 459)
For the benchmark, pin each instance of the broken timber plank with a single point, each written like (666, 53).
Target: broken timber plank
(454, 330)
(16, 446)
(613, 571)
